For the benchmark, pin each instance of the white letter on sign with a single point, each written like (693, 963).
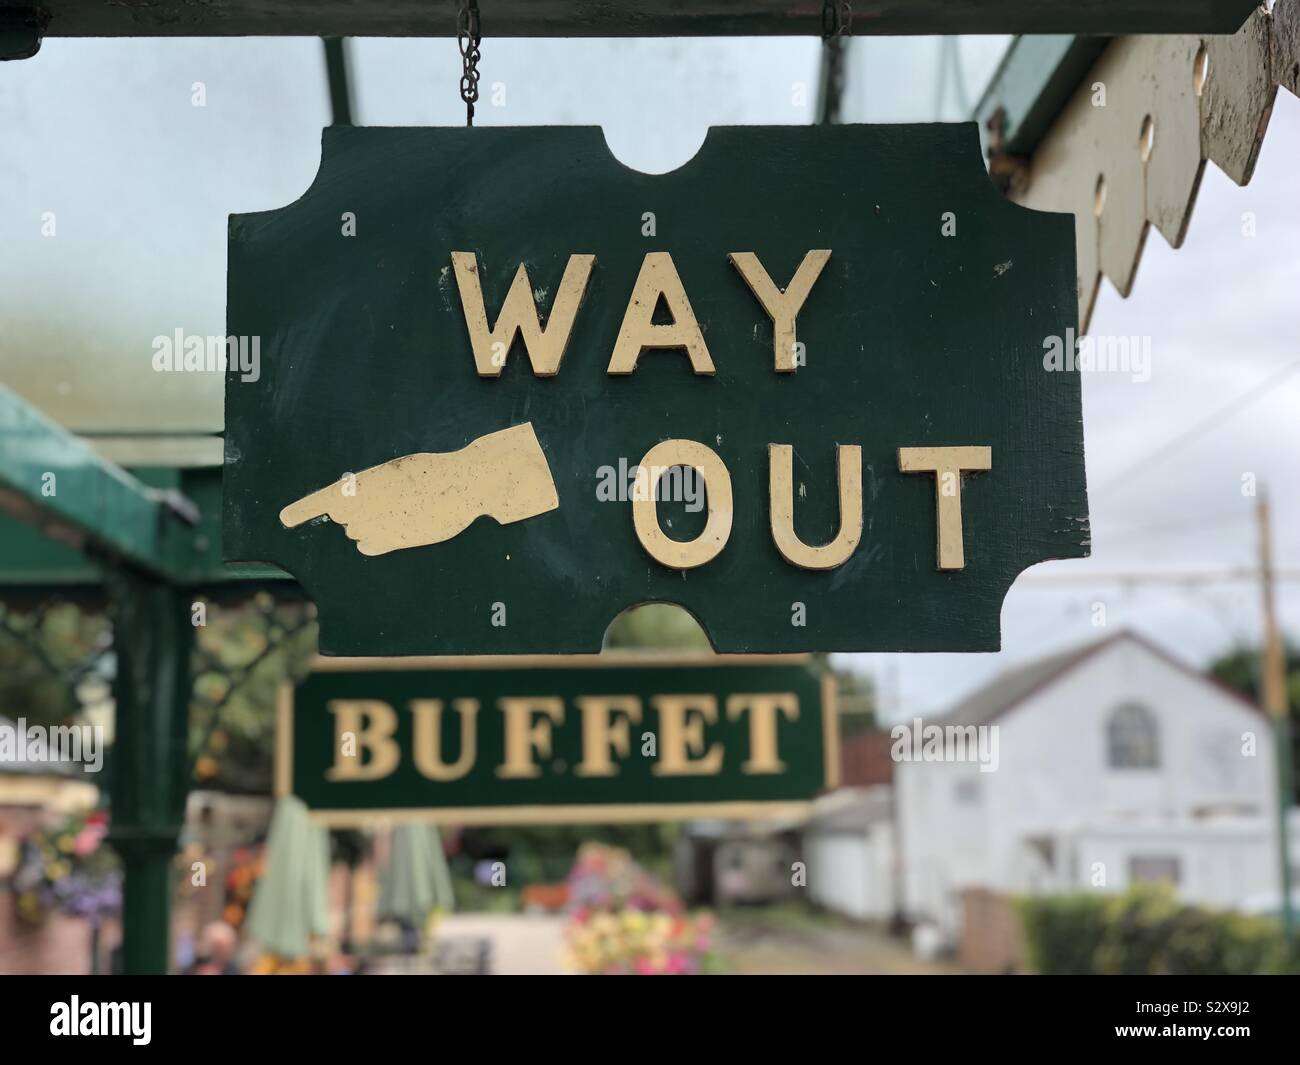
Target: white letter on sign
(681, 729)
(763, 713)
(525, 735)
(947, 465)
(544, 345)
(684, 554)
(373, 723)
(427, 738)
(603, 735)
(658, 279)
(781, 508)
(782, 306)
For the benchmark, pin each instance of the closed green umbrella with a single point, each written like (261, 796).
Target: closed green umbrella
(416, 880)
(290, 902)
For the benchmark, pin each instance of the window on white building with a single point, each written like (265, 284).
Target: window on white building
(966, 791)
(1150, 869)
(1132, 740)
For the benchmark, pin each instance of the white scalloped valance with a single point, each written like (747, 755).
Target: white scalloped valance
(1128, 149)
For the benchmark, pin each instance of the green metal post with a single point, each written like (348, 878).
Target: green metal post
(336, 73)
(153, 636)
(1286, 796)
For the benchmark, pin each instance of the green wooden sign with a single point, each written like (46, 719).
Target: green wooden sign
(516, 740)
(506, 388)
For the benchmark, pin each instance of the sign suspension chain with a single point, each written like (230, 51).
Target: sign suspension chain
(469, 36)
(837, 18)
(837, 23)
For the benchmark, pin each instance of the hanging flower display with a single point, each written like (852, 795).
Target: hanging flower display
(66, 869)
(624, 922)
(246, 865)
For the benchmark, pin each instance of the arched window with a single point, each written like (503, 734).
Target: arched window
(1132, 739)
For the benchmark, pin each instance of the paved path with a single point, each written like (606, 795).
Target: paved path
(523, 944)
(813, 946)
(750, 942)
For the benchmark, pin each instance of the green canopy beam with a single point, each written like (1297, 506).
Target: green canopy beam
(65, 510)
(83, 522)
(610, 18)
(1031, 85)
(53, 480)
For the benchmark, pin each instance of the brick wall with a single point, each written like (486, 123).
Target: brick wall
(58, 946)
(992, 940)
(865, 761)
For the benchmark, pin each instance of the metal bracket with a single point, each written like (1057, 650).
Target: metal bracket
(1124, 149)
(21, 30)
(176, 502)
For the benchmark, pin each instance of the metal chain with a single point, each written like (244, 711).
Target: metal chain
(837, 18)
(469, 37)
(837, 22)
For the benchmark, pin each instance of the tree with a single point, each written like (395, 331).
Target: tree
(856, 702)
(243, 654)
(659, 627)
(1242, 670)
(55, 662)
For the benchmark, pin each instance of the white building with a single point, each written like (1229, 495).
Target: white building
(1114, 763)
(851, 852)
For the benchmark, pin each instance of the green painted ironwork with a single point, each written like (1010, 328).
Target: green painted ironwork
(336, 70)
(55, 657)
(21, 29)
(1285, 803)
(31, 559)
(1031, 85)
(150, 764)
(235, 679)
(51, 479)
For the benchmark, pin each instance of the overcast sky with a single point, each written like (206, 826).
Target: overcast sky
(105, 138)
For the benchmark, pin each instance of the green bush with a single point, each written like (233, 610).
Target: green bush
(1147, 931)
(1061, 931)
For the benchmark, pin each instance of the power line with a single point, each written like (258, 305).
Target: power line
(1191, 576)
(1139, 532)
(1222, 414)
